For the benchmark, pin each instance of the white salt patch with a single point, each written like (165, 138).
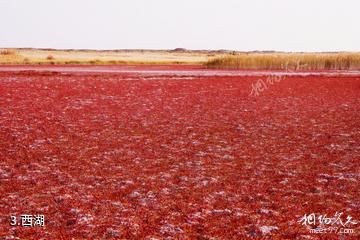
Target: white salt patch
(221, 211)
(267, 229)
(264, 211)
(112, 232)
(170, 229)
(85, 219)
(135, 194)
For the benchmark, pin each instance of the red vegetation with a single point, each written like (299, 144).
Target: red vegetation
(185, 157)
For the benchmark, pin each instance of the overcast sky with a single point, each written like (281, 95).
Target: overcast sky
(286, 25)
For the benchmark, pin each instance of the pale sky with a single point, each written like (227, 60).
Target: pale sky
(283, 25)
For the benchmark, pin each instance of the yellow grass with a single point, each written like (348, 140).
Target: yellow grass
(213, 59)
(5, 52)
(51, 56)
(286, 61)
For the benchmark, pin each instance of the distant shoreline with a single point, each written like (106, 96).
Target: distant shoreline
(49, 56)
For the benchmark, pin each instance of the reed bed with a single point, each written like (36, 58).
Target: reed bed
(287, 61)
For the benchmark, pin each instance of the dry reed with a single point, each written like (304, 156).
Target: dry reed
(288, 61)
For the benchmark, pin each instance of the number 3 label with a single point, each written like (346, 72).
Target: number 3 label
(13, 221)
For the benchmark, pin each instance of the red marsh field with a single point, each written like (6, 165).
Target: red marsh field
(177, 152)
